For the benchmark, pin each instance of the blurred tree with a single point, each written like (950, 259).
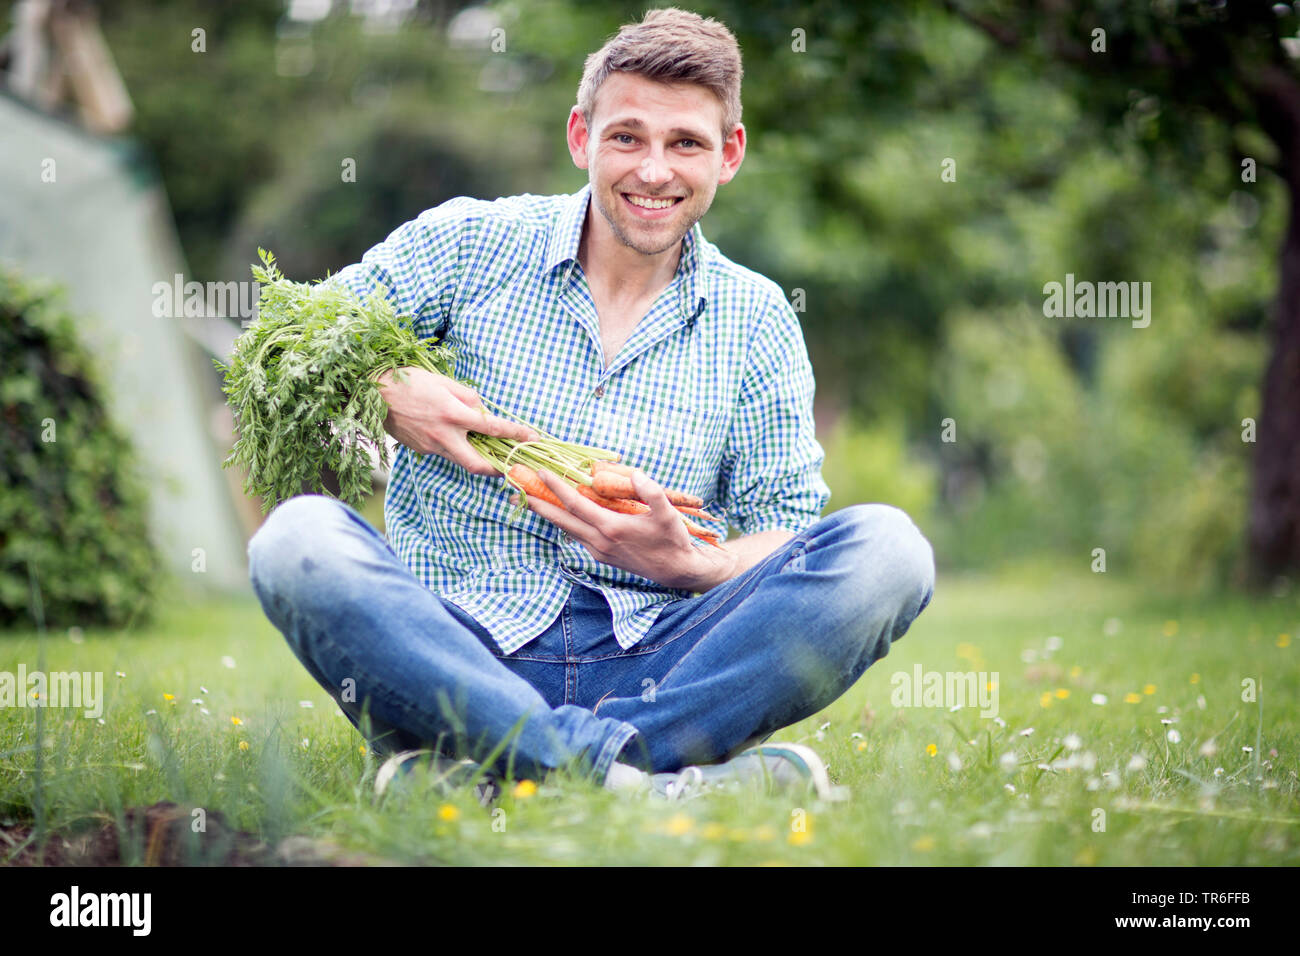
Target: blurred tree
(1196, 77)
(855, 112)
(73, 505)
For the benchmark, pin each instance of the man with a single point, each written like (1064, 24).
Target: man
(608, 643)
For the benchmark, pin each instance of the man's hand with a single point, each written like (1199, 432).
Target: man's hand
(431, 414)
(655, 545)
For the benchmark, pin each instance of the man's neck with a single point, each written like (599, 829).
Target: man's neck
(618, 270)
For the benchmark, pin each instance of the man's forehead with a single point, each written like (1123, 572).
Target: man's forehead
(631, 99)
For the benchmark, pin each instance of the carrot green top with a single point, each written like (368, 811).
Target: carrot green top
(711, 394)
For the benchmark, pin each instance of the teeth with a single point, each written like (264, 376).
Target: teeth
(650, 203)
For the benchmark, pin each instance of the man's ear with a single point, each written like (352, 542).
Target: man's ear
(733, 154)
(578, 137)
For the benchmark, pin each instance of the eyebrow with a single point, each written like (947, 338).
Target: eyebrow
(679, 132)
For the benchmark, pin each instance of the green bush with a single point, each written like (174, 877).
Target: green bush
(71, 505)
(869, 464)
(1140, 462)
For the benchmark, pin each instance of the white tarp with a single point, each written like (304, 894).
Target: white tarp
(102, 228)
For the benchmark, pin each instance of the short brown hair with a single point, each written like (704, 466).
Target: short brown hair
(672, 46)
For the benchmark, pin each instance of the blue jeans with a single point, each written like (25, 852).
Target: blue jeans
(757, 653)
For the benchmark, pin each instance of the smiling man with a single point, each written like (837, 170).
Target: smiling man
(577, 637)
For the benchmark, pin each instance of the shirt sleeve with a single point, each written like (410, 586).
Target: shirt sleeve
(771, 469)
(418, 266)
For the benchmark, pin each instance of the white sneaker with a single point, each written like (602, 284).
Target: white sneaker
(768, 768)
(445, 772)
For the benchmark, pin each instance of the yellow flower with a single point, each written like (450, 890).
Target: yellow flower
(448, 812)
(799, 837)
(243, 745)
(679, 825)
(1284, 640)
(1076, 670)
(236, 721)
(1062, 693)
(1045, 699)
(862, 745)
(171, 697)
(1171, 628)
(923, 844)
(1195, 678)
(1132, 698)
(361, 749)
(1149, 689)
(525, 789)
(713, 831)
(991, 686)
(931, 749)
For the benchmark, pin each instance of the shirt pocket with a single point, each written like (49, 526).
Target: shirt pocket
(675, 441)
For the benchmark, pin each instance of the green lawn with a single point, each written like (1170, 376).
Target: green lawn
(928, 786)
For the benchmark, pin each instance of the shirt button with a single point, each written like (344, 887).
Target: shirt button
(600, 390)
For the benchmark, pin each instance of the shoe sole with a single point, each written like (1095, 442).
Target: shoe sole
(391, 767)
(486, 790)
(812, 762)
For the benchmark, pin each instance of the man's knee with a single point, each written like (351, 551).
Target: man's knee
(887, 562)
(293, 542)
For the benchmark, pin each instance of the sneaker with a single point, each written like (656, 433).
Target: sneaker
(769, 768)
(446, 774)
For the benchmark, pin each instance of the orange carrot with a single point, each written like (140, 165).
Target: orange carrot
(701, 533)
(623, 505)
(611, 484)
(530, 483)
(696, 513)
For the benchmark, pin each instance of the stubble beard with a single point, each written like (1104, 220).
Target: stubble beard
(623, 236)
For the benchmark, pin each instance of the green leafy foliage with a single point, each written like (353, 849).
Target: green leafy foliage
(71, 505)
(302, 385)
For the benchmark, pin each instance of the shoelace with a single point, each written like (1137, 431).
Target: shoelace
(689, 779)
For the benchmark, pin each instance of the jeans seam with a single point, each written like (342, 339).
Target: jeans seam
(569, 676)
(610, 749)
(741, 592)
(800, 545)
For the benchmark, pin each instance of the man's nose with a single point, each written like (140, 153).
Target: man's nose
(654, 169)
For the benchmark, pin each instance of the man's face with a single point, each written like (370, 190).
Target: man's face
(653, 143)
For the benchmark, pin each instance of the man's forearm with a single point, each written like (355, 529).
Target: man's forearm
(743, 553)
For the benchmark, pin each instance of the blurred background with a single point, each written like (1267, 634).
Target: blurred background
(917, 172)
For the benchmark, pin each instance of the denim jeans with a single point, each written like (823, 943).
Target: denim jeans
(759, 652)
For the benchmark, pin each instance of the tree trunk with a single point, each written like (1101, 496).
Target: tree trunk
(1275, 504)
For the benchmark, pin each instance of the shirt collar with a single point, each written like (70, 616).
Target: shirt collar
(566, 234)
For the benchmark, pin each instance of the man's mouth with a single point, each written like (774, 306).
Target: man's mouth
(651, 207)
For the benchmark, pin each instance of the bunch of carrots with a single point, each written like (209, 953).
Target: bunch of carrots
(609, 484)
(595, 472)
(303, 386)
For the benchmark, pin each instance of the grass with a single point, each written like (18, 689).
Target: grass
(928, 786)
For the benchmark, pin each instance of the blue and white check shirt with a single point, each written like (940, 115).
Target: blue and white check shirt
(711, 394)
